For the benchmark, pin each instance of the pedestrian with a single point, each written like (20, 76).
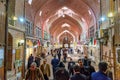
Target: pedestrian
(59, 54)
(90, 69)
(101, 74)
(30, 60)
(51, 52)
(77, 75)
(34, 73)
(70, 66)
(45, 68)
(64, 57)
(37, 60)
(61, 73)
(82, 68)
(54, 64)
(85, 61)
(71, 50)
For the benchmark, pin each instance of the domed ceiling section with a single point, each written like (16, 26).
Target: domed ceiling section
(52, 6)
(66, 34)
(51, 15)
(67, 23)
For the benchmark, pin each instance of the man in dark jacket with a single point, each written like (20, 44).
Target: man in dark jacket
(90, 69)
(70, 66)
(61, 73)
(85, 61)
(54, 64)
(30, 60)
(37, 60)
(77, 75)
(59, 54)
(101, 74)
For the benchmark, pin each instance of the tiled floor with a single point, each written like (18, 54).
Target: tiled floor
(75, 56)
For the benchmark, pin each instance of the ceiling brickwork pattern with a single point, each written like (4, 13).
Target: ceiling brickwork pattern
(85, 13)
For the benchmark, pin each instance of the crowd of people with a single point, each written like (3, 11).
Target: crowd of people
(80, 70)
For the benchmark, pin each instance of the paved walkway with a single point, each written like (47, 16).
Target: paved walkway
(75, 57)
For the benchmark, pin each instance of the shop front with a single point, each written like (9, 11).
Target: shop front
(29, 50)
(94, 50)
(15, 56)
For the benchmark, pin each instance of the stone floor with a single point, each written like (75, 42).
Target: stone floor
(75, 56)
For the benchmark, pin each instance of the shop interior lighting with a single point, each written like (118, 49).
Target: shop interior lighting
(15, 18)
(21, 19)
(110, 14)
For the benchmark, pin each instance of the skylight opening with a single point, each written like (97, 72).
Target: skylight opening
(40, 13)
(89, 12)
(65, 25)
(83, 19)
(65, 11)
(30, 2)
(65, 8)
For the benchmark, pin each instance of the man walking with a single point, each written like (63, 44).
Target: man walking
(70, 66)
(77, 75)
(101, 74)
(54, 64)
(45, 68)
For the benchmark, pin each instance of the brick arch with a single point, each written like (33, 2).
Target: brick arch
(39, 4)
(56, 25)
(71, 31)
(81, 8)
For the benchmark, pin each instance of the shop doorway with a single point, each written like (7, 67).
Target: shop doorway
(9, 55)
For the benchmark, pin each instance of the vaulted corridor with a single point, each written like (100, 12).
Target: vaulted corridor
(78, 28)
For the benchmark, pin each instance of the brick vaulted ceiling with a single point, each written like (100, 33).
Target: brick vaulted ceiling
(51, 22)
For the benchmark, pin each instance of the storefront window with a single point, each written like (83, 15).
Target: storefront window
(29, 28)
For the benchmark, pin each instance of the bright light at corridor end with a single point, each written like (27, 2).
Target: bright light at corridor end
(15, 18)
(110, 14)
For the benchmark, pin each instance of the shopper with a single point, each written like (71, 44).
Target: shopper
(70, 66)
(101, 74)
(45, 68)
(34, 73)
(77, 75)
(61, 73)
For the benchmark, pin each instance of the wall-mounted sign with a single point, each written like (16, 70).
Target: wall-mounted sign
(1, 56)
